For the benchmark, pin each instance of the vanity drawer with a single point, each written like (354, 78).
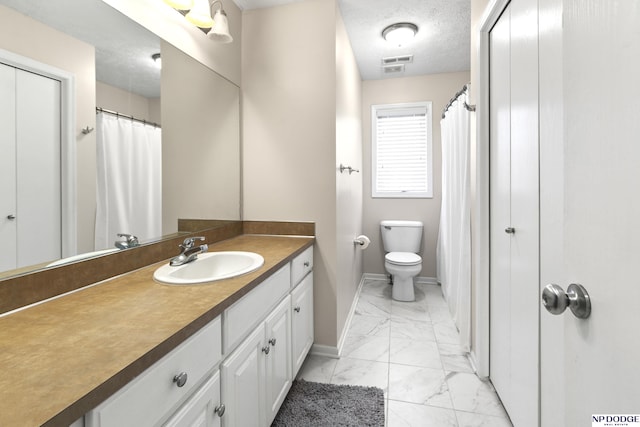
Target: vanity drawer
(152, 395)
(301, 265)
(252, 308)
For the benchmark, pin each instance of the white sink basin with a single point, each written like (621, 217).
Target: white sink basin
(209, 267)
(81, 257)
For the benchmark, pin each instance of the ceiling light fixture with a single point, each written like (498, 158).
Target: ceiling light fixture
(400, 33)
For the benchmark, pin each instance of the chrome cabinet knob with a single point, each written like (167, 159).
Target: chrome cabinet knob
(297, 309)
(556, 300)
(272, 341)
(510, 230)
(307, 264)
(219, 410)
(180, 379)
(11, 217)
(266, 349)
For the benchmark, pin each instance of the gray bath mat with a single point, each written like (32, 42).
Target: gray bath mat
(322, 405)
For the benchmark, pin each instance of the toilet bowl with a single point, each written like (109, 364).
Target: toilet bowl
(401, 241)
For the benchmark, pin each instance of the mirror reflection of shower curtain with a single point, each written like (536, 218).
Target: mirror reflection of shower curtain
(129, 180)
(454, 238)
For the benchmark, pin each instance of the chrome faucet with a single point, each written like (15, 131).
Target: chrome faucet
(130, 241)
(189, 251)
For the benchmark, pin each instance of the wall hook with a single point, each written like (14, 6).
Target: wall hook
(87, 130)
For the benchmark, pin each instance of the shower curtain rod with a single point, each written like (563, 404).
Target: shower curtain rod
(452, 100)
(115, 113)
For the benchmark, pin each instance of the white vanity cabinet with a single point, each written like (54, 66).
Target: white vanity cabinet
(301, 322)
(203, 409)
(257, 375)
(155, 394)
(234, 372)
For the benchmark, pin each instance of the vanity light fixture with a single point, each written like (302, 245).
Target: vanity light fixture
(220, 30)
(180, 4)
(198, 12)
(400, 33)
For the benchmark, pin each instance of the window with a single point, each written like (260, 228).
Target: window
(401, 150)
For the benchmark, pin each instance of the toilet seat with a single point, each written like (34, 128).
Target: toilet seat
(403, 258)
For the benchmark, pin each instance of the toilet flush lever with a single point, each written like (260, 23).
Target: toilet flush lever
(556, 300)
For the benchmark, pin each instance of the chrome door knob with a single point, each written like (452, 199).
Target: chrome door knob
(219, 410)
(556, 300)
(180, 379)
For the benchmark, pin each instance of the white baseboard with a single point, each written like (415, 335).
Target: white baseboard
(420, 280)
(427, 280)
(471, 356)
(325, 350)
(334, 352)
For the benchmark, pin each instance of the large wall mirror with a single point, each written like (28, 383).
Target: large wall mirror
(110, 59)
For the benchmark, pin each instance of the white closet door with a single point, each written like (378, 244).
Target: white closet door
(38, 169)
(8, 257)
(515, 211)
(500, 205)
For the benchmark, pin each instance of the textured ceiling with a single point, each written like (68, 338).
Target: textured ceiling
(123, 48)
(440, 46)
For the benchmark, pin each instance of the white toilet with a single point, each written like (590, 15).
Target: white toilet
(401, 241)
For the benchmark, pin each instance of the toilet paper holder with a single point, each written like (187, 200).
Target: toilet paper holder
(362, 241)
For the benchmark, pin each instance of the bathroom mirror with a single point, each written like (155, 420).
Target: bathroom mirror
(197, 109)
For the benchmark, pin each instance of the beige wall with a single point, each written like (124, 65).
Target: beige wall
(124, 102)
(26, 37)
(348, 186)
(437, 88)
(293, 119)
(171, 26)
(200, 142)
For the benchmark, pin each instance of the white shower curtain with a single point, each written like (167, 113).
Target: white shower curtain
(454, 239)
(129, 180)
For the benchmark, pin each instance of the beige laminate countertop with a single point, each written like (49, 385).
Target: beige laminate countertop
(61, 358)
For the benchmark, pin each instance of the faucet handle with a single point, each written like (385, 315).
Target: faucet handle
(189, 242)
(130, 238)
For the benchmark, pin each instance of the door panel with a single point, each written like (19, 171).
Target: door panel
(8, 257)
(514, 204)
(38, 173)
(600, 211)
(500, 205)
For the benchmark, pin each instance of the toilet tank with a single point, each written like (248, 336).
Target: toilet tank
(401, 236)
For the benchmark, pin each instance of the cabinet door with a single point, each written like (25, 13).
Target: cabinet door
(243, 383)
(278, 360)
(201, 409)
(301, 322)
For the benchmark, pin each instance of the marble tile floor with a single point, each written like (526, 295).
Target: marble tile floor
(411, 351)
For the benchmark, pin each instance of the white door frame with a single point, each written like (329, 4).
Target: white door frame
(481, 237)
(67, 142)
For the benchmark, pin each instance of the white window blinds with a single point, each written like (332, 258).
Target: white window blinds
(401, 150)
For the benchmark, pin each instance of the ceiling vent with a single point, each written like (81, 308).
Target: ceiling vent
(389, 69)
(392, 60)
